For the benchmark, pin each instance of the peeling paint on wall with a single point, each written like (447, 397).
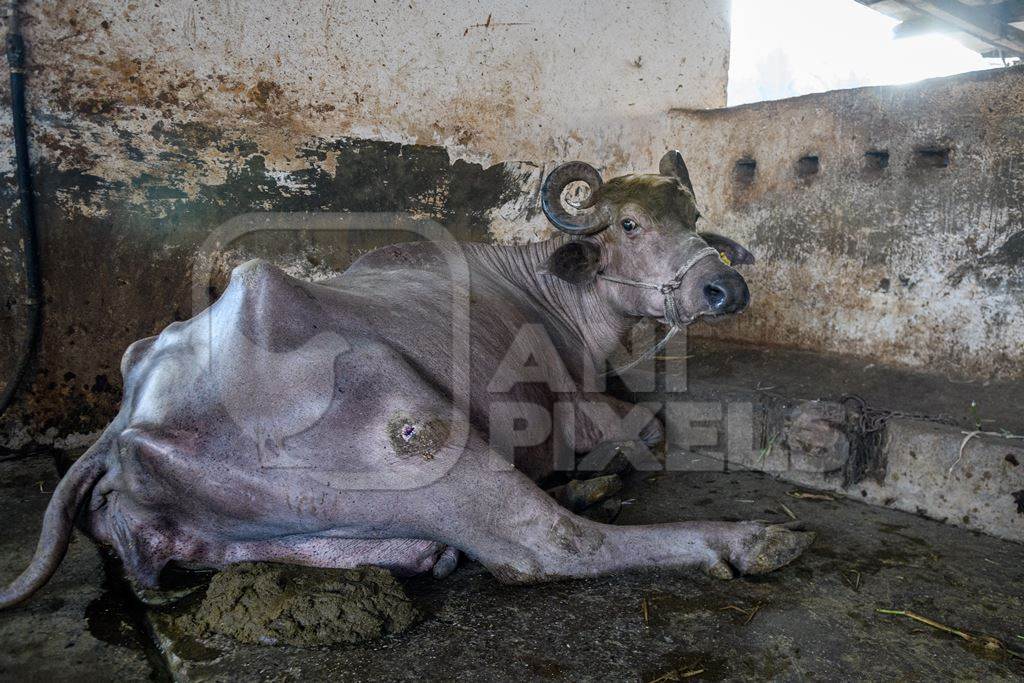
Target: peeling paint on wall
(152, 123)
(509, 81)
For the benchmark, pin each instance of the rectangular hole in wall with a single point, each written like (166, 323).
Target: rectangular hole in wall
(807, 166)
(744, 171)
(876, 160)
(931, 157)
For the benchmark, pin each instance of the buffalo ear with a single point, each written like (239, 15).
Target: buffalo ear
(672, 165)
(736, 253)
(576, 262)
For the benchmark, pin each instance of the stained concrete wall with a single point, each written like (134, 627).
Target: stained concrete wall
(152, 123)
(907, 244)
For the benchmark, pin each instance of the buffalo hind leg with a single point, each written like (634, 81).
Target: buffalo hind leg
(401, 556)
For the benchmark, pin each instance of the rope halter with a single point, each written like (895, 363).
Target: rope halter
(667, 288)
(671, 311)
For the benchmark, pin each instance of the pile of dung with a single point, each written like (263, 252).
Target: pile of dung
(275, 604)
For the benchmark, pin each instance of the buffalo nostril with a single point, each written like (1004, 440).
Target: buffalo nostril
(726, 294)
(716, 296)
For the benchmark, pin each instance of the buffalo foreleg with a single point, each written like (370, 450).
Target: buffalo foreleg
(521, 535)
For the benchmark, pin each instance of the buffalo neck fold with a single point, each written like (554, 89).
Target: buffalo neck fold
(580, 308)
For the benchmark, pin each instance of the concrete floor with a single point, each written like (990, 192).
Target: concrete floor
(815, 619)
(725, 367)
(80, 626)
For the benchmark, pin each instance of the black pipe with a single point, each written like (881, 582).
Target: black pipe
(33, 285)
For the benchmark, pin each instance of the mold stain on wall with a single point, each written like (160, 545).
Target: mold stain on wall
(120, 268)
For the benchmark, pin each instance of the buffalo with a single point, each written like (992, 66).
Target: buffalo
(342, 423)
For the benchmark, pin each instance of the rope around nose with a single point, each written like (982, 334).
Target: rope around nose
(671, 311)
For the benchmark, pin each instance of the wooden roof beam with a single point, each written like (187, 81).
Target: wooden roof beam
(920, 26)
(982, 22)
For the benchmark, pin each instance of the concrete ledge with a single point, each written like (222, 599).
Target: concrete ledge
(762, 410)
(925, 473)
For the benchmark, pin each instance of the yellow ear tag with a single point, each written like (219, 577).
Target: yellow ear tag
(725, 259)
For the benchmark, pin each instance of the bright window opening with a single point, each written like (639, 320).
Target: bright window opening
(784, 48)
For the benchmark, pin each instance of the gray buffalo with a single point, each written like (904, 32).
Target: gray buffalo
(356, 421)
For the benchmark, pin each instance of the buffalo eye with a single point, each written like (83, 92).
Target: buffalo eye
(630, 225)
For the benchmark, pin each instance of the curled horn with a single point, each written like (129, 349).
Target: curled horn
(585, 222)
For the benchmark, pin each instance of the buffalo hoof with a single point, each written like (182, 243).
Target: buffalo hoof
(446, 563)
(761, 548)
(653, 433)
(580, 494)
